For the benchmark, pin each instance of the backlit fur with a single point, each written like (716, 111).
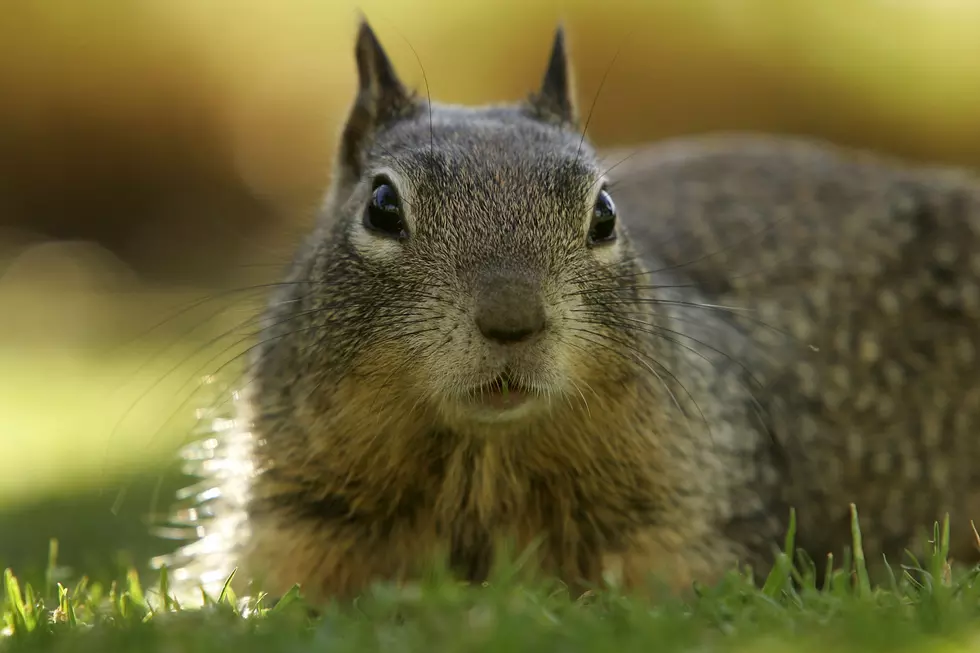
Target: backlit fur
(730, 355)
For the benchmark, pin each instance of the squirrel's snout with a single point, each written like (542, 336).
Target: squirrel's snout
(510, 311)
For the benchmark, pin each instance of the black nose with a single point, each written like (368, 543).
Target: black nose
(509, 310)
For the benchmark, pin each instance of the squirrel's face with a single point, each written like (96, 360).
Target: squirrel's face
(487, 238)
(479, 249)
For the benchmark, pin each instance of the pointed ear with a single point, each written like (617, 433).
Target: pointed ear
(555, 100)
(381, 97)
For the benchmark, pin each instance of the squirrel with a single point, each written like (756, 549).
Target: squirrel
(639, 361)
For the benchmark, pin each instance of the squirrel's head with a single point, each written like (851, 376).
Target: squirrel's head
(469, 259)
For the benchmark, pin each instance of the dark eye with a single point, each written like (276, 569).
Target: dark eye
(383, 214)
(603, 229)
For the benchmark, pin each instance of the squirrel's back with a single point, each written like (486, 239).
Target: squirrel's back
(856, 280)
(644, 359)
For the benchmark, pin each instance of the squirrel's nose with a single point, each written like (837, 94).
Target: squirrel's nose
(509, 311)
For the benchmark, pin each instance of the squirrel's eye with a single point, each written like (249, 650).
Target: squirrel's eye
(383, 214)
(603, 229)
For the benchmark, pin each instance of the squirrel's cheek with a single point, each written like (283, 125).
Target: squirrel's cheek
(373, 247)
(608, 254)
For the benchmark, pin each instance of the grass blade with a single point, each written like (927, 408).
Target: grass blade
(864, 582)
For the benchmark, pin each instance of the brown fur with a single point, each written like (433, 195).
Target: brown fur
(780, 323)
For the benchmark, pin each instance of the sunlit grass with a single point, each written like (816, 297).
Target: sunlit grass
(803, 606)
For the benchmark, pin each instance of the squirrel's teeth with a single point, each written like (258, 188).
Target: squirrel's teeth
(501, 384)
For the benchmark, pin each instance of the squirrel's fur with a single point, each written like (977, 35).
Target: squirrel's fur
(780, 323)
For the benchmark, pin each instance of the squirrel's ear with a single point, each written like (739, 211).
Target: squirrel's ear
(381, 97)
(556, 98)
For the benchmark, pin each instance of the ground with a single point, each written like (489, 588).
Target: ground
(924, 608)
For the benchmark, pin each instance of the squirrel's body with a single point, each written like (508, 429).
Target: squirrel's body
(773, 322)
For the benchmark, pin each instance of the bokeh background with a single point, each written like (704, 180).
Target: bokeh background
(155, 153)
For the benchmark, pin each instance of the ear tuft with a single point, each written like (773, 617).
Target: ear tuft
(381, 98)
(555, 100)
(377, 81)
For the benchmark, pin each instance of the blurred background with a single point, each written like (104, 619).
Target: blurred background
(158, 153)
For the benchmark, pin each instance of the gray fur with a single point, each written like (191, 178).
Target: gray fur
(781, 322)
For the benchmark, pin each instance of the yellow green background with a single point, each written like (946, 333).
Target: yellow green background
(110, 108)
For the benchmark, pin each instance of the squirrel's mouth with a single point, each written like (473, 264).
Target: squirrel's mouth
(501, 392)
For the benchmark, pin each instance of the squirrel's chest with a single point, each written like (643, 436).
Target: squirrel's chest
(481, 519)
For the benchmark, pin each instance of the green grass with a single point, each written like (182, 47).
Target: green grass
(922, 606)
